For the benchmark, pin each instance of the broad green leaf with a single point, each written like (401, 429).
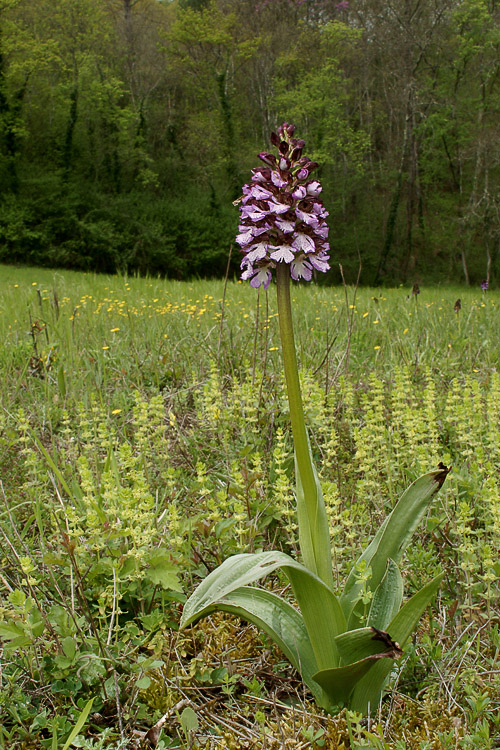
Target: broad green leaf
(164, 576)
(189, 720)
(282, 622)
(321, 611)
(36, 623)
(69, 647)
(236, 571)
(314, 529)
(355, 645)
(392, 537)
(318, 604)
(63, 662)
(9, 630)
(13, 644)
(17, 598)
(387, 598)
(369, 689)
(163, 572)
(339, 683)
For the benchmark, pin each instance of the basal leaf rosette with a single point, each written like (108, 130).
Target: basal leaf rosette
(282, 217)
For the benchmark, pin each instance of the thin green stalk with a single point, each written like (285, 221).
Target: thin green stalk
(300, 439)
(314, 534)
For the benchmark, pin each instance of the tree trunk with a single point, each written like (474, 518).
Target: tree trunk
(70, 129)
(227, 119)
(396, 198)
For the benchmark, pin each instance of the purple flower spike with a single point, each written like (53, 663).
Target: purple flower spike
(282, 217)
(484, 285)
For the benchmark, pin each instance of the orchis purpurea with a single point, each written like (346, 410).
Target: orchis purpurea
(282, 217)
(343, 643)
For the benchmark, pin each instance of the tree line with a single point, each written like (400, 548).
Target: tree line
(127, 128)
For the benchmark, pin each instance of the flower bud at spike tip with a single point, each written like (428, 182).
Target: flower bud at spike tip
(282, 219)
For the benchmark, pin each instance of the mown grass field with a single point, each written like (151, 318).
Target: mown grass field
(145, 438)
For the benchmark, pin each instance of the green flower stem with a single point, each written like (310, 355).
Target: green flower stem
(314, 537)
(292, 380)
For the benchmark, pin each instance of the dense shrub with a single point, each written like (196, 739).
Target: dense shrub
(58, 225)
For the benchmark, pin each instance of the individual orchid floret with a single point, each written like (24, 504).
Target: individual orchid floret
(282, 217)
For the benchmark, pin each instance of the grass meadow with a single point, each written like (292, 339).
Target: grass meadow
(145, 438)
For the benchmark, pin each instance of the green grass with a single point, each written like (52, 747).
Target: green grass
(145, 438)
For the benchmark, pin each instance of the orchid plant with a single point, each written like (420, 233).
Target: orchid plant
(343, 643)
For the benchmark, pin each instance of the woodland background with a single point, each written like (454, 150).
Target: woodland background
(127, 128)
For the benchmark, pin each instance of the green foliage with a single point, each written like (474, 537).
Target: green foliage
(126, 234)
(202, 429)
(301, 93)
(141, 119)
